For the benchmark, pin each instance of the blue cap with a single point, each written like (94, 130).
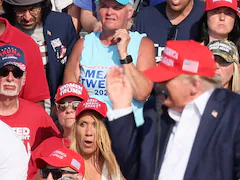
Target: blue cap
(12, 55)
(123, 2)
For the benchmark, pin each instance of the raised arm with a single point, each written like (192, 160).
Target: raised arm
(72, 69)
(141, 86)
(117, 85)
(122, 128)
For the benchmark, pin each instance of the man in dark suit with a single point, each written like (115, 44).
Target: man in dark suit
(199, 135)
(54, 33)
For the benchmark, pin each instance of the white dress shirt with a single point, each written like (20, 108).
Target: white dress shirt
(182, 138)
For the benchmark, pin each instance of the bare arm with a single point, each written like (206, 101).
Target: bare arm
(75, 11)
(142, 86)
(72, 69)
(89, 21)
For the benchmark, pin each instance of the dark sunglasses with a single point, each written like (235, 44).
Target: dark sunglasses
(63, 106)
(56, 173)
(173, 32)
(17, 73)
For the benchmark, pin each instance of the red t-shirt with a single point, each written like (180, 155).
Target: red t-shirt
(32, 124)
(43, 150)
(36, 87)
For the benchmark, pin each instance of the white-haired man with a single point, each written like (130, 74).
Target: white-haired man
(199, 128)
(30, 122)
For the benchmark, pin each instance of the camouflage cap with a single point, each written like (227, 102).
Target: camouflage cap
(225, 49)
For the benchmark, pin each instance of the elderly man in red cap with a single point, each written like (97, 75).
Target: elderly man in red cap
(198, 133)
(54, 33)
(61, 164)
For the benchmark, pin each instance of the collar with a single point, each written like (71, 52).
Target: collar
(199, 103)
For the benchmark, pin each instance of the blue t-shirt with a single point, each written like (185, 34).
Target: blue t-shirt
(154, 22)
(85, 4)
(154, 2)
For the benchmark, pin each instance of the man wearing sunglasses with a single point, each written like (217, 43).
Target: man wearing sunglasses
(30, 122)
(36, 88)
(68, 97)
(54, 33)
(61, 164)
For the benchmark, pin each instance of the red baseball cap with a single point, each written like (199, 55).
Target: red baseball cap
(71, 89)
(214, 4)
(63, 157)
(92, 104)
(183, 57)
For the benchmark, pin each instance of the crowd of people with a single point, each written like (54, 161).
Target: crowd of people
(119, 89)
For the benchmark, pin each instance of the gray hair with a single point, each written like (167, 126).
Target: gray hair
(206, 82)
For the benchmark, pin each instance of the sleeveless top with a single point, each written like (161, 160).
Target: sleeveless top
(96, 60)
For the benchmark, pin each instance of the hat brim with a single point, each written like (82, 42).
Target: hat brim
(123, 2)
(68, 95)
(51, 160)
(160, 73)
(22, 2)
(90, 109)
(222, 4)
(21, 66)
(222, 56)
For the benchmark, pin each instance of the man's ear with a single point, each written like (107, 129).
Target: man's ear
(196, 85)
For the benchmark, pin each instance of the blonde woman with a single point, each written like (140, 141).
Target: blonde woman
(227, 63)
(91, 140)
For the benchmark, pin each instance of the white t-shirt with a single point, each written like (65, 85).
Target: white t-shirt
(13, 155)
(59, 5)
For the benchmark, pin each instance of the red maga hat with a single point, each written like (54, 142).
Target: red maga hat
(61, 158)
(71, 89)
(92, 104)
(183, 57)
(213, 4)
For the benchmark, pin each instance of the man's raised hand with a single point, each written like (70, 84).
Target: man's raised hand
(119, 89)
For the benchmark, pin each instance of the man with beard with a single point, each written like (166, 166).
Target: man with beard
(29, 120)
(54, 32)
(36, 88)
(170, 20)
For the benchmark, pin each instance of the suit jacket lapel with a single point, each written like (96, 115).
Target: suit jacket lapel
(209, 120)
(166, 128)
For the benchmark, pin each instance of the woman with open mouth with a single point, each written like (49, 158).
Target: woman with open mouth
(91, 140)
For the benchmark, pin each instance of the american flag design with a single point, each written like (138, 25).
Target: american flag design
(190, 66)
(214, 113)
